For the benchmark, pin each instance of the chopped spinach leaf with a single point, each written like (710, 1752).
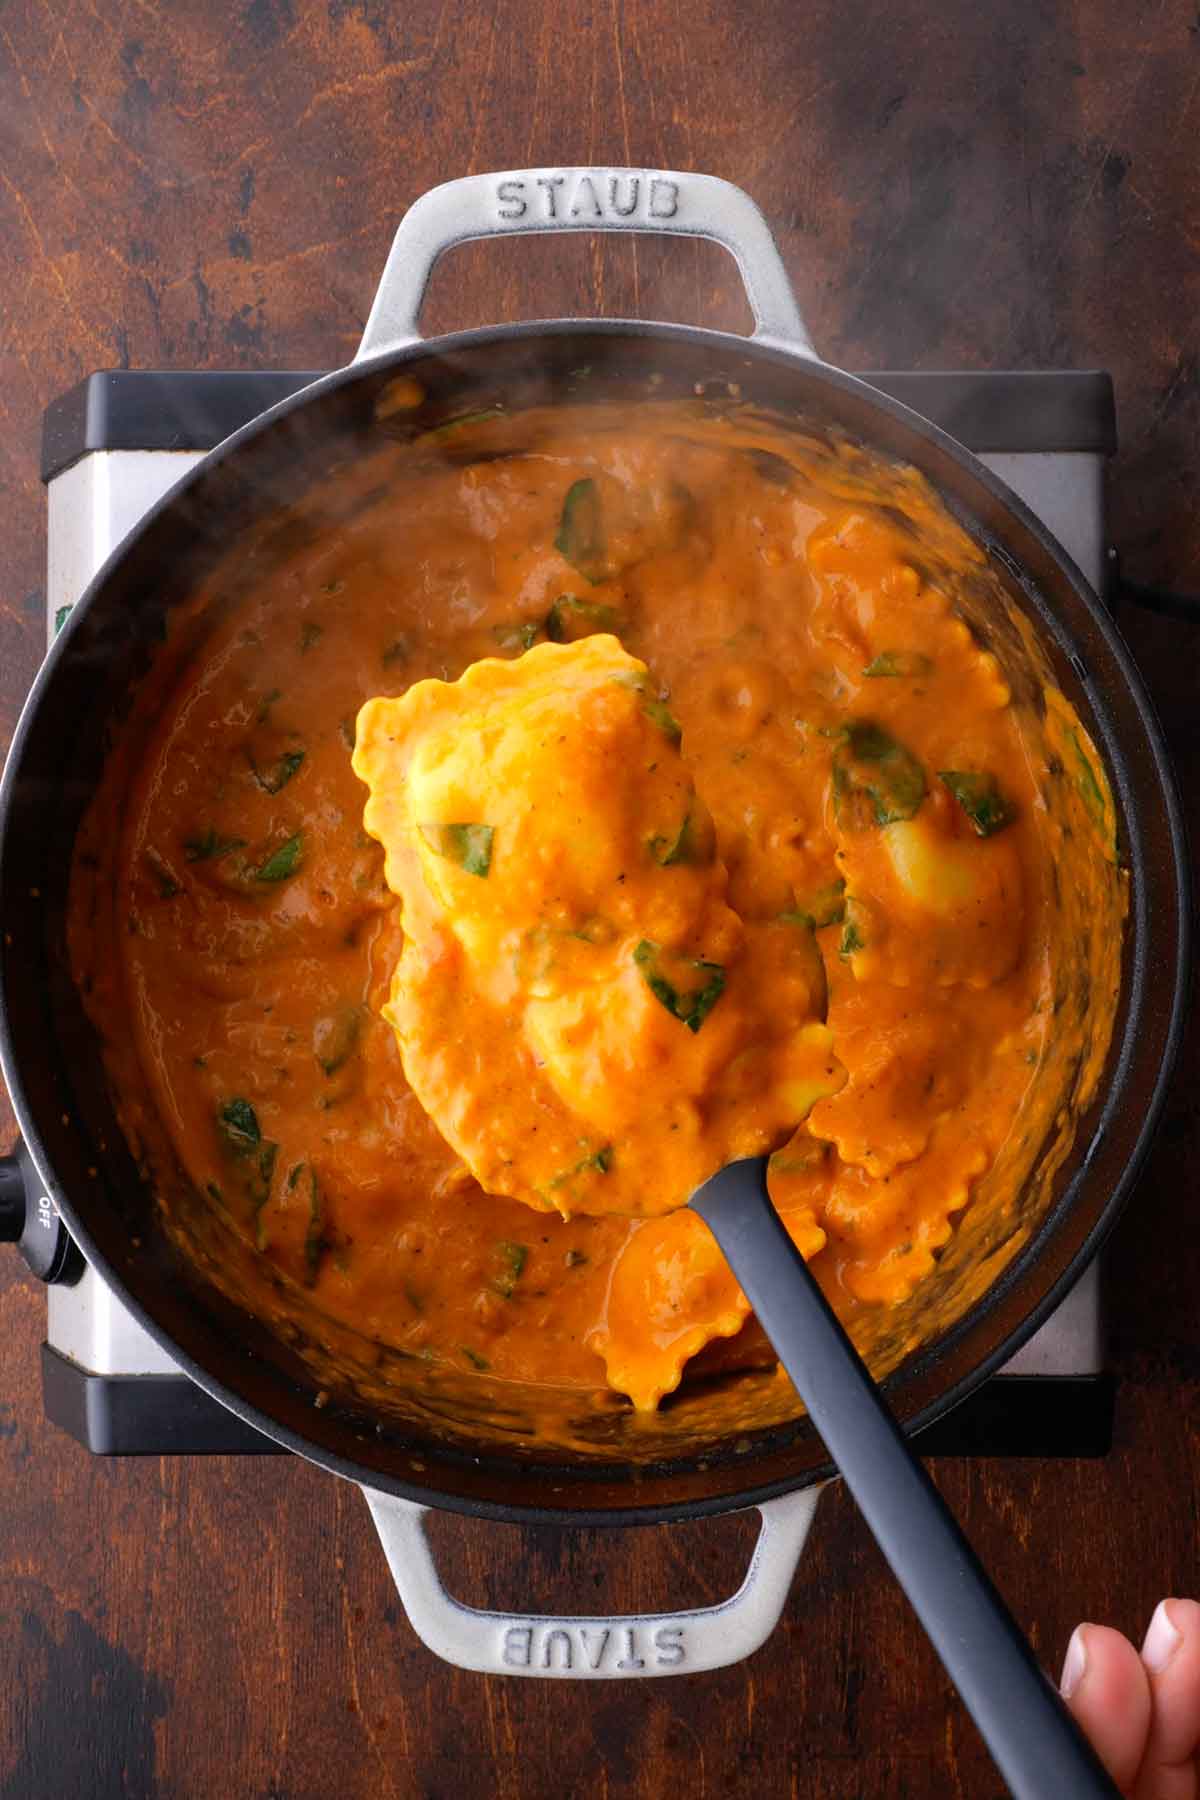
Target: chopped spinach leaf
(283, 862)
(580, 537)
(470, 846)
(659, 714)
(473, 1357)
(978, 793)
(692, 843)
(1090, 791)
(875, 779)
(512, 1259)
(266, 703)
(904, 663)
(238, 1123)
(597, 1161)
(690, 1003)
(655, 709)
(522, 635)
(207, 846)
(471, 418)
(674, 849)
(798, 1159)
(826, 906)
(853, 935)
(277, 776)
(61, 615)
(571, 618)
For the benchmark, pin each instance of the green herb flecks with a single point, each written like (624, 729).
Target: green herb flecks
(574, 1259)
(473, 1357)
(655, 709)
(449, 426)
(61, 615)
(876, 781)
(511, 1259)
(310, 633)
(905, 664)
(209, 846)
(978, 793)
(825, 906)
(470, 846)
(521, 636)
(853, 935)
(688, 987)
(596, 1162)
(397, 651)
(694, 843)
(349, 732)
(266, 703)
(277, 775)
(799, 1158)
(660, 714)
(580, 537)
(1093, 797)
(284, 862)
(571, 618)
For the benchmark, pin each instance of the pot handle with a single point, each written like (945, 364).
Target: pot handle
(516, 202)
(594, 1647)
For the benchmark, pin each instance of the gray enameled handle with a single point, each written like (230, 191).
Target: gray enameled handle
(1036, 1744)
(516, 202)
(586, 1647)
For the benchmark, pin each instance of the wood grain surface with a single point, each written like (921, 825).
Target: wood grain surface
(207, 185)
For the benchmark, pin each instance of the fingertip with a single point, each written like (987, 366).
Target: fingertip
(1074, 1662)
(1163, 1636)
(1171, 1655)
(1107, 1689)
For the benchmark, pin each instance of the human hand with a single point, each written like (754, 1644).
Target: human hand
(1141, 1713)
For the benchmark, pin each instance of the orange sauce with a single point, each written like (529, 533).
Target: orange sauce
(882, 789)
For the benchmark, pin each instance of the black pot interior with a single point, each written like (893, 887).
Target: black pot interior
(52, 1059)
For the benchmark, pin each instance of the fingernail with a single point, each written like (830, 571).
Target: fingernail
(1074, 1663)
(1162, 1640)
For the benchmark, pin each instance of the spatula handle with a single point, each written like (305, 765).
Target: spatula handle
(1035, 1742)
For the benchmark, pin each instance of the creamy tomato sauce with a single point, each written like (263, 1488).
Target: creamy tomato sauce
(888, 810)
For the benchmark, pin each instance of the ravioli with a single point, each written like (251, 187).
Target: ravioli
(587, 1020)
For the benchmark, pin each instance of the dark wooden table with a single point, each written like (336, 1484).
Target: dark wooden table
(189, 185)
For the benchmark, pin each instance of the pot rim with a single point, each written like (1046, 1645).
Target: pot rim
(772, 352)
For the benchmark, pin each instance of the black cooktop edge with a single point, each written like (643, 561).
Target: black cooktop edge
(995, 410)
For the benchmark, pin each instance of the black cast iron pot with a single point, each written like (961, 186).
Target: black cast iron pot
(74, 1151)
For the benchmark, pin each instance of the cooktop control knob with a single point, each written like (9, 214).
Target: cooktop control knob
(29, 1219)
